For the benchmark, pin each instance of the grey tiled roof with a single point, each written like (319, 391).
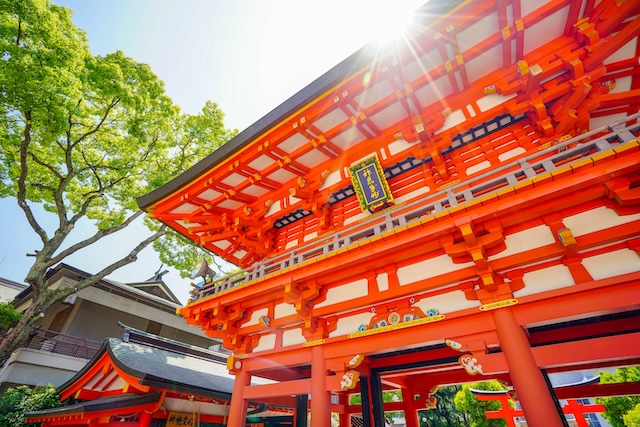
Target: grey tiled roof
(171, 370)
(106, 403)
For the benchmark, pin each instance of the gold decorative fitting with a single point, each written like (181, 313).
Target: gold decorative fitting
(349, 380)
(506, 33)
(566, 237)
(522, 67)
(448, 66)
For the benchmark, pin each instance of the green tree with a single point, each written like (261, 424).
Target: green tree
(387, 396)
(8, 316)
(83, 136)
(632, 418)
(617, 407)
(466, 401)
(445, 413)
(16, 401)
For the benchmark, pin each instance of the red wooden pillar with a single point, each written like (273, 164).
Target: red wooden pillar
(410, 412)
(320, 397)
(505, 411)
(238, 406)
(537, 404)
(344, 417)
(579, 410)
(144, 419)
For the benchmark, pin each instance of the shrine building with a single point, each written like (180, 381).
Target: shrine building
(460, 205)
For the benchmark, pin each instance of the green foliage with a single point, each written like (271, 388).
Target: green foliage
(632, 418)
(445, 413)
(16, 401)
(8, 316)
(84, 136)
(387, 396)
(475, 409)
(617, 407)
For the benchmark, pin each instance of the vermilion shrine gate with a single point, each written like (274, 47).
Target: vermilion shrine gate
(463, 202)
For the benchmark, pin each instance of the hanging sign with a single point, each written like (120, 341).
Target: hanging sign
(179, 419)
(370, 184)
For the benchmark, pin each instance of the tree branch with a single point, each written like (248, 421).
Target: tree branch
(97, 236)
(19, 36)
(46, 165)
(131, 257)
(113, 103)
(22, 180)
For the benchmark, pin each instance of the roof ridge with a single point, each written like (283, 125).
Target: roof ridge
(133, 335)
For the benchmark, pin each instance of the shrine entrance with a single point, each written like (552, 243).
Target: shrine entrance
(465, 205)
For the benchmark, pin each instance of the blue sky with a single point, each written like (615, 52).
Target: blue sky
(248, 56)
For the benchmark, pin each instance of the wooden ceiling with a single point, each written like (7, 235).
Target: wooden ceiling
(465, 91)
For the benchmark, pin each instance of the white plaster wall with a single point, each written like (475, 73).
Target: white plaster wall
(273, 209)
(292, 337)
(397, 146)
(511, 154)
(612, 264)
(333, 178)
(595, 220)
(546, 279)
(428, 268)
(7, 293)
(283, 310)
(382, 280)
(447, 303)
(310, 236)
(454, 119)
(347, 325)
(346, 292)
(525, 240)
(487, 102)
(267, 342)
(478, 167)
(255, 316)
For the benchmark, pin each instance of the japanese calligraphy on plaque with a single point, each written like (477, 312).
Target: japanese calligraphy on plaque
(178, 419)
(370, 184)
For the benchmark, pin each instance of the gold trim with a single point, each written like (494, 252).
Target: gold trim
(498, 304)
(402, 325)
